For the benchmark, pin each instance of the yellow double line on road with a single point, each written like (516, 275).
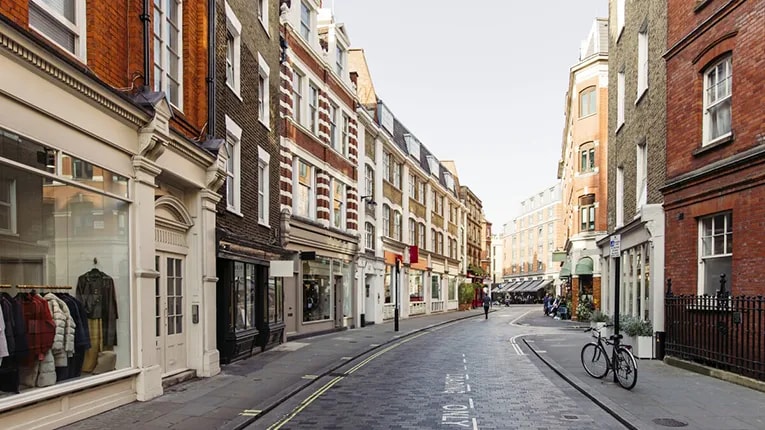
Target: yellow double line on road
(305, 403)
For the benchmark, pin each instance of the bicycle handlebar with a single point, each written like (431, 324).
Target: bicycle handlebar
(594, 328)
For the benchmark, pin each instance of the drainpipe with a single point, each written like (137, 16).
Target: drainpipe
(145, 18)
(211, 52)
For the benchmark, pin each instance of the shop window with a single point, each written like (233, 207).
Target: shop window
(416, 291)
(435, 287)
(69, 252)
(317, 290)
(275, 300)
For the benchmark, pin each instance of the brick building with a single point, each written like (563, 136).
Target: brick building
(250, 291)
(473, 225)
(583, 168)
(715, 187)
(636, 162)
(318, 174)
(110, 180)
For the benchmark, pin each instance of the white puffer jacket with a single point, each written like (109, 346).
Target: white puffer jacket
(40, 373)
(63, 341)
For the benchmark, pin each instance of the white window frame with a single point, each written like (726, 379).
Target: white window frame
(619, 100)
(161, 83)
(77, 28)
(342, 200)
(339, 59)
(641, 175)
(298, 80)
(397, 169)
(387, 168)
(727, 249)
(262, 6)
(386, 213)
(369, 181)
(728, 63)
(234, 28)
(642, 66)
(333, 140)
(305, 27)
(620, 12)
(264, 100)
(311, 188)
(264, 187)
(421, 238)
(398, 220)
(345, 133)
(234, 149)
(590, 96)
(313, 110)
(11, 204)
(369, 236)
(412, 237)
(619, 196)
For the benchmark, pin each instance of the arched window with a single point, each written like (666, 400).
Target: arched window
(587, 102)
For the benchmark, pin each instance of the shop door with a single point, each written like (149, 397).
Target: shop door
(170, 323)
(338, 291)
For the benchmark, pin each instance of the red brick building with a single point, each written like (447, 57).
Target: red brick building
(715, 187)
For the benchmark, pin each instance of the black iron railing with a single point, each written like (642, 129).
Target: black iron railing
(721, 331)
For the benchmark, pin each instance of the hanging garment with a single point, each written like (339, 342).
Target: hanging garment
(16, 338)
(3, 342)
(63, 342)
(95, 289)
(40, 327)
(81, 338)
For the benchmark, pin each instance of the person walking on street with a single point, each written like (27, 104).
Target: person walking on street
(486, 305)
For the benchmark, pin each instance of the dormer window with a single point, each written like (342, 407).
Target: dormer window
(305, 20)
(434, 166)
(412, 146)
(339, 60)
(449, 181)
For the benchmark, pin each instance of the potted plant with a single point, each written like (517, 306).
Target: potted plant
(598, 321)
(466, 293)
(639, 334)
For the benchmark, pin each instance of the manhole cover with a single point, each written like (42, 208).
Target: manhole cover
(669, 422)
(571, 417)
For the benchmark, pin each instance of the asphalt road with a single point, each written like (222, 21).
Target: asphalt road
(471, 374)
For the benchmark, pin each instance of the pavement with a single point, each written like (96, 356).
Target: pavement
(665, 396)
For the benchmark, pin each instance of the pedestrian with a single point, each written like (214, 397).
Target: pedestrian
(486, 305)
(546, 304)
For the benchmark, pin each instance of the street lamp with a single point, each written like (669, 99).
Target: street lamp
(368, 199)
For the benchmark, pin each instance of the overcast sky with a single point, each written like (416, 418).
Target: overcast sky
(481, 83)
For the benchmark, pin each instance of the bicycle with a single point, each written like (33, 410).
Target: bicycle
(597, 363)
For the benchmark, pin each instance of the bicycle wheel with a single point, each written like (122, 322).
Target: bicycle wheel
(595, 360)
(625, 368)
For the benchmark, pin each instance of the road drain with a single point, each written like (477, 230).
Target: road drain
(571, 417)
(669, 422)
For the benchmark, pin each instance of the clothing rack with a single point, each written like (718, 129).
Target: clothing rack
(43, 287)
(6, 286)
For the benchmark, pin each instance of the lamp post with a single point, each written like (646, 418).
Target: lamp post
(395, 310)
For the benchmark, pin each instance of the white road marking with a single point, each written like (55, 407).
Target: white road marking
(523, 315)
(516, 347)
(467, 377)
(470, 400)
(475, 424)
(467, 386)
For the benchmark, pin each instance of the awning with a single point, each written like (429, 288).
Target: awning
(565, 271)
(584, 266)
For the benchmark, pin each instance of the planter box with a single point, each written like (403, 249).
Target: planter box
(598, 326)
(643, 348)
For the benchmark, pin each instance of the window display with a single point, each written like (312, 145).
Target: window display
(317, 291)
(415, 286)
(64, 267)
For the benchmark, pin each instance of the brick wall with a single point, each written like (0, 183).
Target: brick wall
(736, 27)
(244, 112)
(644, 121)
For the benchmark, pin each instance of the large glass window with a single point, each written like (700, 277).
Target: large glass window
(317, 290)
(435, 287)
(416, 291)
(275, 300)
(64, 245)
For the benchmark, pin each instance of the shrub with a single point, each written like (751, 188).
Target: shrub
(466, 293)
(634, 326)
(599, 316)
(584, 308)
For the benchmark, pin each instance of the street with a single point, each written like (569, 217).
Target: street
(473, 373)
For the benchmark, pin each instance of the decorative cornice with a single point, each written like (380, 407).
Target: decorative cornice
(12, 46)
(741, 159)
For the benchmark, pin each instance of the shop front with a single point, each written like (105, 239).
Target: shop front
(106, 230)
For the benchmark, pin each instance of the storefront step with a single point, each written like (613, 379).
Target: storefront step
(178, 378)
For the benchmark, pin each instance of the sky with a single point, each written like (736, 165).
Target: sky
(481, 83)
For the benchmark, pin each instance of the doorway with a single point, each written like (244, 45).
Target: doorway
(338, 292)
(169, 315)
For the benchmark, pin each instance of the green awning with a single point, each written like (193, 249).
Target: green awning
(584, 266)
(565, 271)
